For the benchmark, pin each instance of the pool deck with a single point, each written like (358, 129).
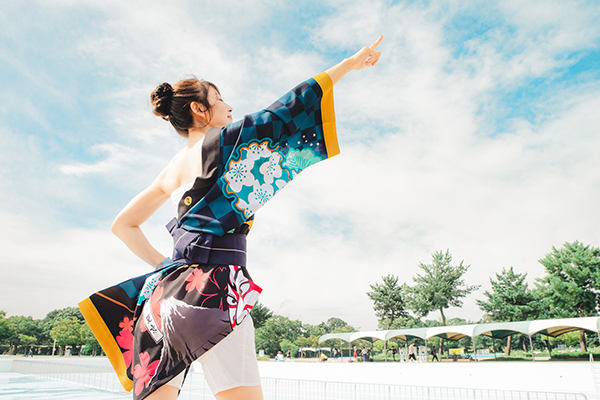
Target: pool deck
(538, 376)
(552, 376)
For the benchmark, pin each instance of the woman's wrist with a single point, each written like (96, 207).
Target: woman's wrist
(164, 262)
(338, 71)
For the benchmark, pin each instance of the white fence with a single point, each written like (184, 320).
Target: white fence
(103, 378)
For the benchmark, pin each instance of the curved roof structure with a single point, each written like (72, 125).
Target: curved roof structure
(407, 334)
(451, 332)
(352, 336)
(556, 327)
(549, 327)
(345, 336)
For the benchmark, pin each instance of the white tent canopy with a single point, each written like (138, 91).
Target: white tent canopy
(550, 327)
(556, 327)
(407, 334)
(352, 336)
(500, 330)
(451, 332)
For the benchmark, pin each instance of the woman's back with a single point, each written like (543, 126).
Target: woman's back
(183, 169)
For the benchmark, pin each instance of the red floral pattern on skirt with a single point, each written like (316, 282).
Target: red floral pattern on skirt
(193, 307)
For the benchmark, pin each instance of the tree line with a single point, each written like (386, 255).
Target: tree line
(570, 288)
(275, 333)
(58, 330)
(66, 328)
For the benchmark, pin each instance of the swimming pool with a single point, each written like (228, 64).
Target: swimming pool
(17, 386)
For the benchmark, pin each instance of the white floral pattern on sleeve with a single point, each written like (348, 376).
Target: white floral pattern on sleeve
(239, 174)
(255, 151)
(272, 168)
(259, 196)
(259, 171)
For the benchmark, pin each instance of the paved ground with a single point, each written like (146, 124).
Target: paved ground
(538, 376)
(541, 376)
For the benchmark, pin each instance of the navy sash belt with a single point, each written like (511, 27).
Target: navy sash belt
(205, 248)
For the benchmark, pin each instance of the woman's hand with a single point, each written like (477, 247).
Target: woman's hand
(365, 57)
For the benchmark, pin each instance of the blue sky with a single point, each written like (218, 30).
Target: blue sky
(477, 131)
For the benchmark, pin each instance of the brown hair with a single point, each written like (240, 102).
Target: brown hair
(173, 103)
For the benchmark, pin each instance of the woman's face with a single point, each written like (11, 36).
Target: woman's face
(221, 111)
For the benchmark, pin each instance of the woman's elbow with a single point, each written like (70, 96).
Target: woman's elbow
(114, 228)
(117, 227)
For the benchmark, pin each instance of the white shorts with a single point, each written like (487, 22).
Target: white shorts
(231, 362)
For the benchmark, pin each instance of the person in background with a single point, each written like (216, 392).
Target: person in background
(411, 352)
(433, 355)
(279, 356)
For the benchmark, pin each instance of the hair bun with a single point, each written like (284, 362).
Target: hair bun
(161, 100)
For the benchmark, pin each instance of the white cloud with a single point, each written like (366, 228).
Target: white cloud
(117, 158)
(442, 181)
(50, 267)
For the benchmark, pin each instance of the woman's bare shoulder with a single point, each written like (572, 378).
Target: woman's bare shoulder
(183, 168)
(169, 178)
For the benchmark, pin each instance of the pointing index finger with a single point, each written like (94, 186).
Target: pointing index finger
(376, 43)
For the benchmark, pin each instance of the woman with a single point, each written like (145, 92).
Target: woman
(197, 305)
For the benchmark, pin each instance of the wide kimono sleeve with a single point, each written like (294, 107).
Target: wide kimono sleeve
(110, 314)
(263, 152)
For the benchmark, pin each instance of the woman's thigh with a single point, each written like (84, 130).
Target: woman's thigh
(242, 393)
(165, 392)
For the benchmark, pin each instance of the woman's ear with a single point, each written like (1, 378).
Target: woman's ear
(198, 110)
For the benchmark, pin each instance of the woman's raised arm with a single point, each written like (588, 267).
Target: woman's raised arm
(365, 57)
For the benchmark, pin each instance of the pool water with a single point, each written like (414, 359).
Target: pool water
(16, 386)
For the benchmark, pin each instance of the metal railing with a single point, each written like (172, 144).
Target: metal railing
(93, 376)
(595, 373)
(288, 389)
(103, 378)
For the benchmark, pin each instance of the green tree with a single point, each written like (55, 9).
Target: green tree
(22, 329)
(5, 329)
(572, 283)
(335, 325)
(388, 300)
(314, 330)
(346, 328)
(54, 317)
(310, 341)
(509, 300)
(287, 345)
(439, 287)
(277, 328)
(91, 343)
(260, 314)
(407, 322)
(27, 341)
(66, 332)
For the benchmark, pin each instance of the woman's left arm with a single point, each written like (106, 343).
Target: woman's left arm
(127, 224)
